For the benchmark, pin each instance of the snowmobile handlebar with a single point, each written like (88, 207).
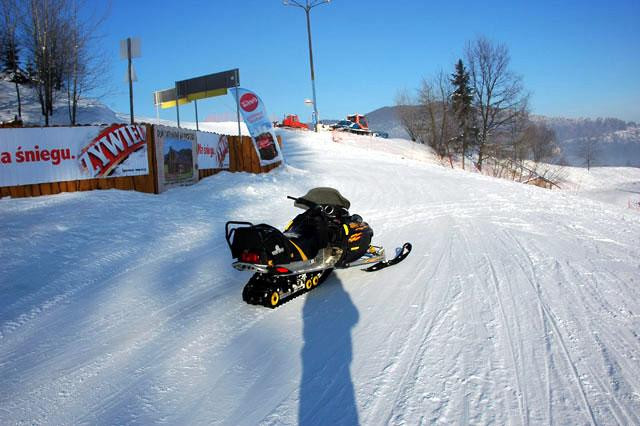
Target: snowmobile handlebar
(303, 201)
(326, 209)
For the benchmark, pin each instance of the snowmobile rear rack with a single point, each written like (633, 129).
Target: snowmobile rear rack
(228, 230)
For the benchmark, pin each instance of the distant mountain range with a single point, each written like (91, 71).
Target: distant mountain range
(617, 141)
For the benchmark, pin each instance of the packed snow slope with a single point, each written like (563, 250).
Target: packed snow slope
(518, 305)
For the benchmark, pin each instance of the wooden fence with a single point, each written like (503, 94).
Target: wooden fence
(242, 158)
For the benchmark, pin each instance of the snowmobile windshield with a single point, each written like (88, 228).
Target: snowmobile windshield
(324, 196)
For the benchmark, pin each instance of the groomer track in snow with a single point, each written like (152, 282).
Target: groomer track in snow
(517, 304)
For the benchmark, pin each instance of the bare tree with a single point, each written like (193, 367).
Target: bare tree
(61, 37)
(85, 62)
(409, 115)
(499, 98)
(541, 141)
(589, 151)
(45, 26)
(440, 125)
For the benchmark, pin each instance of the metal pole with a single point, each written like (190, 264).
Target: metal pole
(130, 81)
(195, 103)
(313, 78)
(155, 103)
(177, 107)
(238, 105)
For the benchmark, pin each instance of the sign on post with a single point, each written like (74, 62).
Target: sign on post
(130, 48)
(136, 50)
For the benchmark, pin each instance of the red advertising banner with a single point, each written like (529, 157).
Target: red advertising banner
(213, 151)
(260, 127)
(56, 154)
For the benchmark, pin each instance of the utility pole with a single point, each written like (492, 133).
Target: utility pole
(130, 79)
(129, 49)
(310, 4)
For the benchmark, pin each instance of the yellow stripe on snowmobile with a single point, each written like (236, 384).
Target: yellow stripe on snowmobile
(346, 230)
(286, 228)
(304, 256)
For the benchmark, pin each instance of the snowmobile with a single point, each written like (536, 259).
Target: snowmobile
(322, 238)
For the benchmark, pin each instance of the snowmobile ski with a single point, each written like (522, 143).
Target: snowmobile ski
(402, 255)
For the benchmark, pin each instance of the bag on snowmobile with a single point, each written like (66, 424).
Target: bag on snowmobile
(264, 243)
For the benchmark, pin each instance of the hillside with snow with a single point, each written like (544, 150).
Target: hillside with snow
(90, 111)
(518, 305)
(616, 142)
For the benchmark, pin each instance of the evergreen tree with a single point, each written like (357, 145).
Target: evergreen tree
(9, 49)
(9, 53)
(461, 99)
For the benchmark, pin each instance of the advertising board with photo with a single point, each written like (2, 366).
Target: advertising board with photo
(176, 156)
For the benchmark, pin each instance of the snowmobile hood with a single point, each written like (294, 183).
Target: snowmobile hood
(324, 195)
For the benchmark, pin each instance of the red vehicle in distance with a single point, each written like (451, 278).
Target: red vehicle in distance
(292, 121)
(360, 124)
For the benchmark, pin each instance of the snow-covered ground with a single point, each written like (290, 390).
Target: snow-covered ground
(518, 305)
(614, 185)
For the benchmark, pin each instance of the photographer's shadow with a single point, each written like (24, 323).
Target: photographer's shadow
(327, 395)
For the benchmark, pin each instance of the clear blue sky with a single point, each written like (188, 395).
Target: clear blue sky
(578, 58)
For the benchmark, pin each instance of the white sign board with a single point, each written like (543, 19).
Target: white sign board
(213, 151)
(136, 50)
(57, 154)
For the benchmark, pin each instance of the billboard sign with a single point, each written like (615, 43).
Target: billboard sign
(58, 154)
(176, 157)
(213, 151)
(207, 85)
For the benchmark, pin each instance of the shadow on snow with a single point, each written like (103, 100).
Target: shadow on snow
(327, 394)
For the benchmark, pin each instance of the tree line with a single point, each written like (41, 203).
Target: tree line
(50, 45)
(477, 112)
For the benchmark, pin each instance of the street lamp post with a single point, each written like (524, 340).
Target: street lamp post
(310, 4)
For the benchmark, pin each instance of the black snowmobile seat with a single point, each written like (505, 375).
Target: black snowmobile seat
(309, 231)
